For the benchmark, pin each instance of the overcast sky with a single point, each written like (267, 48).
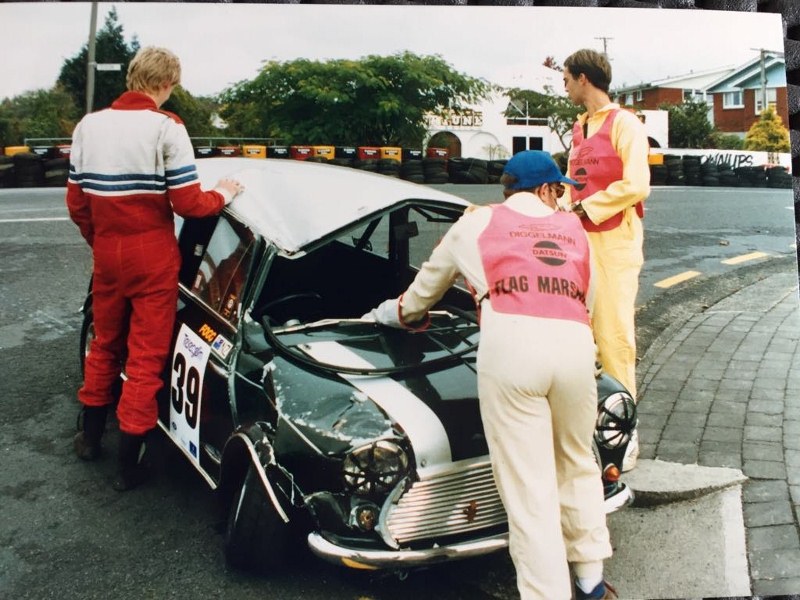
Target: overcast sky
(220, 44)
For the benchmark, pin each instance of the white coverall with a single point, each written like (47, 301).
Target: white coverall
(538, 400)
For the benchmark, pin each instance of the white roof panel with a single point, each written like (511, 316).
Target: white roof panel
(293, 203)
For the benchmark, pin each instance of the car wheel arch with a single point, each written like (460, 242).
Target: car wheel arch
(246, 448)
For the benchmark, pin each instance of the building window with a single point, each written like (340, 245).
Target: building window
(629, 99)
(732, 99)
(772, 99)
(639, 95)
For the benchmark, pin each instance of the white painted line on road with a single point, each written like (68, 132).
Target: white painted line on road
(32, 220)
(670, 281)
(744, 258)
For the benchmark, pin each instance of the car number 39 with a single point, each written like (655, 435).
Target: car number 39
(188, 366)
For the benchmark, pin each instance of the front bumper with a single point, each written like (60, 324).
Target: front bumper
(386, 559)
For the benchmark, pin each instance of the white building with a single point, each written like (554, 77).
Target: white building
(485, 131)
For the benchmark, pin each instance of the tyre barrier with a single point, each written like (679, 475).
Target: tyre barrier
(691, 171)
(51, 169)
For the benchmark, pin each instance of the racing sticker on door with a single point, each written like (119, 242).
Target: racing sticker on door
(188, 366)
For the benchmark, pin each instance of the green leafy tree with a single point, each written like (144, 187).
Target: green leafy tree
(196, 113)
(689, 126)
(768, 133)
(110, 47)
(725, 141)
(559, 111)
(40, 113)
(375, 100)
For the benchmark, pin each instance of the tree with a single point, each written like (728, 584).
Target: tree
(194, 112)
(725, 141)
(110, 47)
(40, 113)
(689, 126)
(559, 111)
(768, 133)
(376, 100)
(550, 62)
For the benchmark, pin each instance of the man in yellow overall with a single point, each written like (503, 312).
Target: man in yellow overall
(608, 159)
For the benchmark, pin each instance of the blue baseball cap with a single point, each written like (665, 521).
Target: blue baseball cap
(533, 168)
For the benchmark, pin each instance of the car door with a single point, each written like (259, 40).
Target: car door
(218, 254)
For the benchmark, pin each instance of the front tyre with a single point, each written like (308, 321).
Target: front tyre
(256, 538)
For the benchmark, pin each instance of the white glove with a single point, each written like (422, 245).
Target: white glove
(386, 313)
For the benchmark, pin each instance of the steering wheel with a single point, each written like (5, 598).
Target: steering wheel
(265, 309)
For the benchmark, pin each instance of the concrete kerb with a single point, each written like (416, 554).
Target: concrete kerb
(659, 482)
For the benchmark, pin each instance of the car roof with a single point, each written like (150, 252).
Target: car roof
(293, 203)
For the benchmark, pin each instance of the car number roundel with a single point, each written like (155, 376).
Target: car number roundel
(186, 385)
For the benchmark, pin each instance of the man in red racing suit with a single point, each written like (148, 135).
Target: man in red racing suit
(131, 166)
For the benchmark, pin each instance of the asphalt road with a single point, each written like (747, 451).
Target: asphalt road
(65, 533)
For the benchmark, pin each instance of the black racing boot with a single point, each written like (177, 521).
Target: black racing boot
(87, 440)
(132, 472)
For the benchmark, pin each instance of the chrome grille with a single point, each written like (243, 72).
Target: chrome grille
(461, 499)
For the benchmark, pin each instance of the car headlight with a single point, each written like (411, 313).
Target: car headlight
(616, 420)
(375, 468)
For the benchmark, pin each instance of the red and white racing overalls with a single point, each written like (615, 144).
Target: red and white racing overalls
(131, 166)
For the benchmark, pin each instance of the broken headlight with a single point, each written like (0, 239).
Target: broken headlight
(374, 468)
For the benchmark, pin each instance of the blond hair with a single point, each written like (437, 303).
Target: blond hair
(593, 64)
(152, 68)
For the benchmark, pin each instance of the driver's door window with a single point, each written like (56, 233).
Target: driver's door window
(223, 270)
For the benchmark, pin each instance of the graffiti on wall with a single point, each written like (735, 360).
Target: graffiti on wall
(733, 160)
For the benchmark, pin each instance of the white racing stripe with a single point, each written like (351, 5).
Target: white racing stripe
(424, 429)
(33, 219)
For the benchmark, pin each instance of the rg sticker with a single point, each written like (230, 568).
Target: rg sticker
(186, 385)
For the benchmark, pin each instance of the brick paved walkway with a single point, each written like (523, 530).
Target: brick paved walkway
(723, 389)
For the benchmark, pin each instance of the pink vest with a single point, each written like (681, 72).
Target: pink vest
(536, 266)
(595, 165)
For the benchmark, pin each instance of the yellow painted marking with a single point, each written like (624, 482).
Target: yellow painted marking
(744, 258)
(670, 281)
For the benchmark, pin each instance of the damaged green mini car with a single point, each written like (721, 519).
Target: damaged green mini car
(311, 421)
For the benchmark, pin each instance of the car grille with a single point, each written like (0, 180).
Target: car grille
(450, 502)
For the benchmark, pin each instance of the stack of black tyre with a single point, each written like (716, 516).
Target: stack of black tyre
(674, 164)
(389, 167)
(658, 175)
(29, 168)
(434, 170)
(709, 173)
(468, 170)
(495, 169)
(8, 175)
(366, 164)
(752, 176)
(341, 161)
(691, 170)
(778, 177)
(56, 172)
(727, 176)
(411, 169)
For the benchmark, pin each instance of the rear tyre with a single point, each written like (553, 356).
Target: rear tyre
(256, 538)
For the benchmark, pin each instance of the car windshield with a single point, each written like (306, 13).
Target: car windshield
(357, 268)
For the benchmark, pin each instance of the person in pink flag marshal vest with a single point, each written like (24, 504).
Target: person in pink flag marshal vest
(529, 266)
(608, 159)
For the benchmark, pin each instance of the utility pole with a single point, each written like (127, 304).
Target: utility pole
(763, 60)
(605, 44)
(91, 64)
